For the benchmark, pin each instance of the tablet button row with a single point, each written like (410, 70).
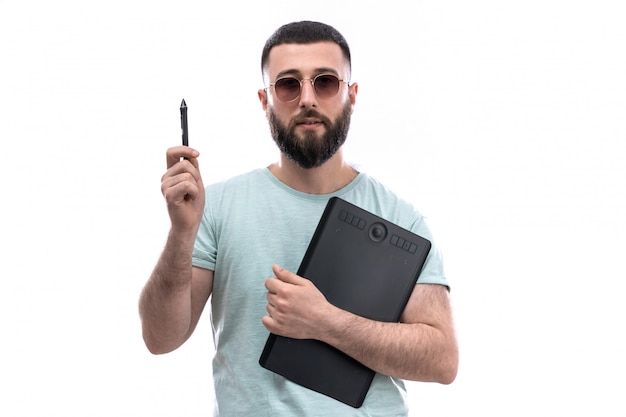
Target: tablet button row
(351, 219)
(403, 244)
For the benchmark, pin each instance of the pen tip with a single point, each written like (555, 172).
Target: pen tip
(183, 104)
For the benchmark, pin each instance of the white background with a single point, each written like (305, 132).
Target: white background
(504, 123)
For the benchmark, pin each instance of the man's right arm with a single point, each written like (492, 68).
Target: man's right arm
(172, 300)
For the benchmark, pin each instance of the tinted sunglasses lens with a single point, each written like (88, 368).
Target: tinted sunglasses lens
(287, 89)
(326, 85)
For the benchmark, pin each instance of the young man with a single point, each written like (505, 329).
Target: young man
(226, 240)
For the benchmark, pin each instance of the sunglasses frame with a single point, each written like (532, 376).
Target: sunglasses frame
(312, 80)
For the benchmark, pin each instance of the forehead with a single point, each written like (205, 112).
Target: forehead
(306, 59)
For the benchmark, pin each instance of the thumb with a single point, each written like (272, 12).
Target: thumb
(286, 276)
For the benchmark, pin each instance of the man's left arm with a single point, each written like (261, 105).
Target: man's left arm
(421, 347)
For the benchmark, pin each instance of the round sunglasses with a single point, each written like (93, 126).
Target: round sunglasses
(325, 86)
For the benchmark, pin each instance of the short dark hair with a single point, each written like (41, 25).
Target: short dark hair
(305, 32)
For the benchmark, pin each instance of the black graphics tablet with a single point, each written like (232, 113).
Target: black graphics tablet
(362, 264)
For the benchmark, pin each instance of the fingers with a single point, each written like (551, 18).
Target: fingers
(182, 174)
(183, 171)
(175, 154)
(287, 276)
(282, 282)
(182, 180)
(275, 308)
(279, 284)
(283, 289)
(291, 304)
(270, 324)
(182, 188)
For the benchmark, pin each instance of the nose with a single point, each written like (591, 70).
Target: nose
(307, 94)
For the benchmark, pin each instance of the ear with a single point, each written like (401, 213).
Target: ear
(352, 92)
(262, 93)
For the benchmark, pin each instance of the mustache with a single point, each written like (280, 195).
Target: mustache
(310, 113)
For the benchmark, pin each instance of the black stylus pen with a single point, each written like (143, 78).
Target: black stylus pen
(183, 122)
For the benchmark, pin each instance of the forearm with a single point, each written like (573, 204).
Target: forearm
(165, 302)
(412, 351)
(422, 347)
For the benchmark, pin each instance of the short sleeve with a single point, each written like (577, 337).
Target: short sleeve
(205, 248)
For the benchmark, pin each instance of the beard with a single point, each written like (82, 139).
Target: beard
(310, 151)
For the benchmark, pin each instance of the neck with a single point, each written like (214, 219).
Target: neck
(331, 176)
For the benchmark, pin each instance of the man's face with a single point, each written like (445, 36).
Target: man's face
(308, 130)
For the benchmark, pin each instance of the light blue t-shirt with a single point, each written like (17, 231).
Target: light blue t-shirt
(251, 222)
